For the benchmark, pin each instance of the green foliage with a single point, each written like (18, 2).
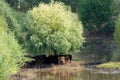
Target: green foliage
(110, 65)
(11, 55)
(53, 28)
(24, 5)
(117, 7)
(116, 56)
(14, 19)
(97, 15)
(8, 13)
(72, 3)
(117, 33)
(13, 3)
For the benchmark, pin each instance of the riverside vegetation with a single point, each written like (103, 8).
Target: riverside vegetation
(86, 28)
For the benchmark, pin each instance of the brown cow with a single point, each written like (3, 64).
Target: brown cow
(68, 58)
(61, 60)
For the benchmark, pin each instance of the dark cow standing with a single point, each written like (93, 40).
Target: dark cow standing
(37, 60)
(70, 57)
(51, 59)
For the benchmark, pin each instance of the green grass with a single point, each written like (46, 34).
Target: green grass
(111, 65)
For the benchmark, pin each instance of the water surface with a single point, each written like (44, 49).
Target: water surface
(37, 74)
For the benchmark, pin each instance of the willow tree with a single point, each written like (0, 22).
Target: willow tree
(53, 28)
(11, 55)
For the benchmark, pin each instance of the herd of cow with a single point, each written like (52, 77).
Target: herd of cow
(51, 59)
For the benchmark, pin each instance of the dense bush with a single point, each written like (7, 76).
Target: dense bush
(117, 7)
(53, 28)
(8, 13)
(11, 55)
(97, 15)
(116, 55)
(117, 33)
(14, 19)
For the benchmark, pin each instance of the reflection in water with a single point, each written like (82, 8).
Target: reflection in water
(65, 75)
(71, 75)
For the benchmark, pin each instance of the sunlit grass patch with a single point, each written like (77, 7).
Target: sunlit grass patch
(111, 65)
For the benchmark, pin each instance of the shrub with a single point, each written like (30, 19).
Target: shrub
(11, 55)
(10, 15)
(117, 39)
(53, 28)
(117, 32)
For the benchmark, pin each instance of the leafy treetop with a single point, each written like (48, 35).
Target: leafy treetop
(53, 28)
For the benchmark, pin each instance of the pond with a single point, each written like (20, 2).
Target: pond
(38, 74)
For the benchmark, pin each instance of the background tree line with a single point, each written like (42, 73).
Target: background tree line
(96, 16)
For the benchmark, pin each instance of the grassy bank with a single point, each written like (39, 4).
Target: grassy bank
(110, 65)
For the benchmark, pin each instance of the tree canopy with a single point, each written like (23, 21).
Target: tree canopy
(54, 28)
(97, 15)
